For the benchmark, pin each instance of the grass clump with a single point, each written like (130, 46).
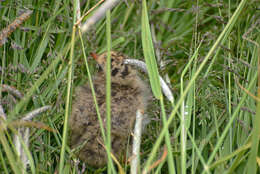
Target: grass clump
(207, 51)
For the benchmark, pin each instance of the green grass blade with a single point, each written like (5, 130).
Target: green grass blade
(67, 107)
(149, 55)
(108, 93)
(186, 108)
(252, 164)
(167, 139)
(41, 49)
(3, 162)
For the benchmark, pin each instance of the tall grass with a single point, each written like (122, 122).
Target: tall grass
(207, 55)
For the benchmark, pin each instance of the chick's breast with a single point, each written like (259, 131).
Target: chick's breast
(84, 124)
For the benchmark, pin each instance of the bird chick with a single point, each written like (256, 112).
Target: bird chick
(128, 93)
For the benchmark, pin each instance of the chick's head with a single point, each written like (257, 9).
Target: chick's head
(120, 72)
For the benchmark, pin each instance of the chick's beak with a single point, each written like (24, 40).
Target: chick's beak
(96, 58)
(94, 55)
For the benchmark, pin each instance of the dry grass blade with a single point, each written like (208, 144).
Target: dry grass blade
(101, 11)
(156, 163)
(137, 142)
(24, 133)
(90, 10)
(121, 171)
(248, 92)
(142, 66)
(33, 124)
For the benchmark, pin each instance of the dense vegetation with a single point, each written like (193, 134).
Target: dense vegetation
(207, 51)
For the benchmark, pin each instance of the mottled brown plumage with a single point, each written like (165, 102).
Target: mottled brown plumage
(128, 93)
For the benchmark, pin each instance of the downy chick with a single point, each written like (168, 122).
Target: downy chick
(128, 93)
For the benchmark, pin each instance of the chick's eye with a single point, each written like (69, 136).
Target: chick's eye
(125, 72)
(114, 72)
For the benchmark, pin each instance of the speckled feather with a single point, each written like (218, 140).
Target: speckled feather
(128, 93)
